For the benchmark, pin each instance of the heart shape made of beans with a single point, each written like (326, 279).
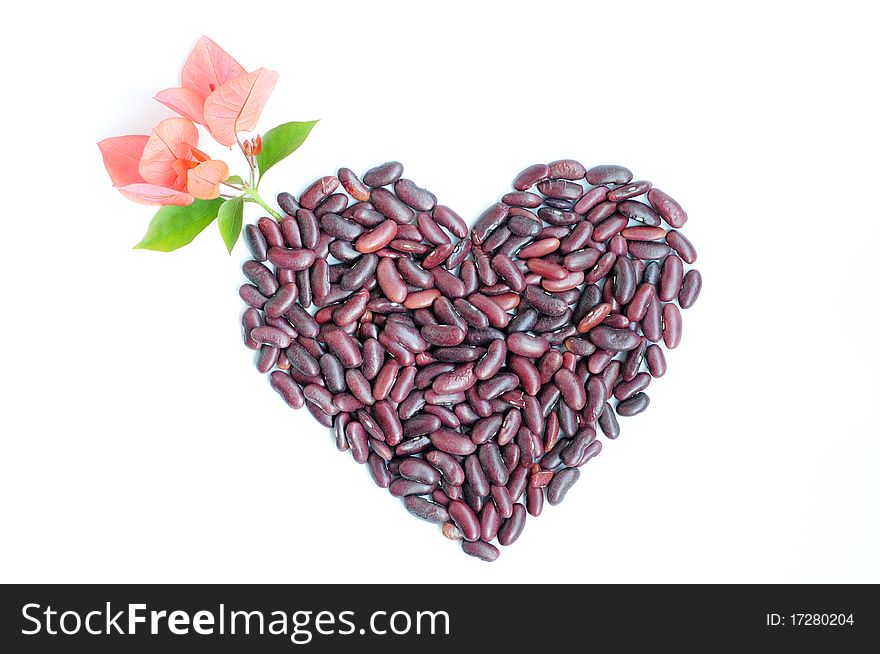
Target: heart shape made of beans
(470, 369)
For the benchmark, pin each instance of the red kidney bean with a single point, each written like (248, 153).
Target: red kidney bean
(271, 232)
(319, 190)
(377, 238)
(422, 508)
(671, 326)
(652, 325)
(608, 174)
(624, 280)
(566, 169)
(388, 204)
(522, 199)
(403, 487)
(648, 250)
(656, 361)
(531, 176)
(561, 484)
(481, 550)
(415, 196)
(534, 500)
(629, 190)
(488, 221)
(447, 218)
(572, 389)
(670, 279)
(261, 276)
(267, 359)
(490, 522)
(476, 477)
(249, 320)
(669, 209)
(690, 289)
(256, 242)
(353, 186)
(465, 519)
(634, 405)
(640, 212)
(609, 227)
(633, 361)
(287, 389)
(602, 267)
(288, 203)
(296, 259)
(626, 389)
(493, 464)
(561, 189)
(682, 246)
(384, 174)
(613, 339)
(452, 442)
(644, 233)
(266, 335)
(638, 305)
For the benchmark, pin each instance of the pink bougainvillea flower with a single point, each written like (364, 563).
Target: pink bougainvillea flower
(215, 91)
(203, 181)
(159, 169)
(236, 106)
(207, 68)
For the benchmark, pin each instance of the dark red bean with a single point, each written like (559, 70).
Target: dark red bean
(350, 182)
(534, 500)
(512, 528)
(613, 339)
(377, 238)
(256, 242)
(422, 508)
(682, 246)
(648, 250)
(670, 279)
(561, 189)
(481, 550)
(383, 174)
(287, 389)
(561, 484)
(288, 203)
(608, 423)
(566, 169)
(308, 228)
(633, 405)
(638, 305)
(450, 220)
(669, 209)
(639, 211)
(690, 289)
(629, 190)
(295, 259)
(671, 326)
(452, 442)
(608, 174)
(531, 176)
(415, 196)
(448, 466)
(491, 218)
(465, 519)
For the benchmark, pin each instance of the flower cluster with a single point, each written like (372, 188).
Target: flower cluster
(167, 168)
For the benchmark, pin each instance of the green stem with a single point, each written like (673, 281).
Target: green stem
(251, 192)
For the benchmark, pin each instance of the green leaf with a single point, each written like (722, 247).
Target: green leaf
(282, 141)
(173, 227)
(229, 221)
(234, 179)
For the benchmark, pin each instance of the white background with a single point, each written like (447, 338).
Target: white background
(140, 445)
